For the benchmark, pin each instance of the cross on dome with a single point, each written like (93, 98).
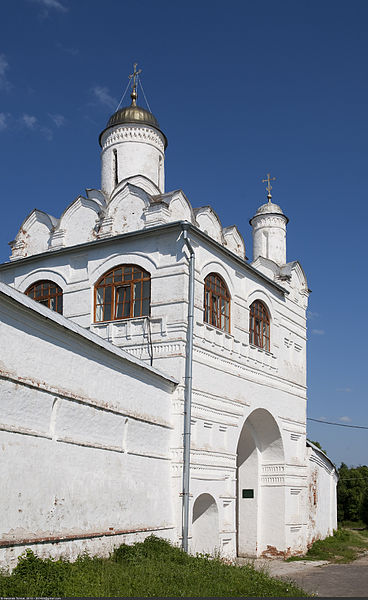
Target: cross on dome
(269, 186)
(134, 76)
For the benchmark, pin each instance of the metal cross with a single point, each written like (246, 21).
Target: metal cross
(269, 186)
(134, 75)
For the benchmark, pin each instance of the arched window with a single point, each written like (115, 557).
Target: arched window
(216, 302)
(47, 293)
(122, 293)
(259, 325)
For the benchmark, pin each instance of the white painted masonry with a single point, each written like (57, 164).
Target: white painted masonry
(251, 472)
(269, 233)
(85, 447)
(137, 151)
(322, 508)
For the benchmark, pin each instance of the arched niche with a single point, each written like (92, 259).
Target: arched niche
(205, 525)
(260, 486)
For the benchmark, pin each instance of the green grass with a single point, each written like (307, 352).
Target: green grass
(150, 568)
(352, 524)
(343, 546)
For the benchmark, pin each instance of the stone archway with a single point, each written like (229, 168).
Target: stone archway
(260, 486)
(205, 525)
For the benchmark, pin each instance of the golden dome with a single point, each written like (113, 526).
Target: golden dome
(133, 114)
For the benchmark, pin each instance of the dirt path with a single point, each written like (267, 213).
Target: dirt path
(322, 578)
(336, 580)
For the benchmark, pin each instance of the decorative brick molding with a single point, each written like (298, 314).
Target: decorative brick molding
(134, 134)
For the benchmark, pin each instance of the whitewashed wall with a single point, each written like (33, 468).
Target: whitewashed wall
(322, 504)
(85, 435)
(231, 378)
(249, 404)
(139, 151)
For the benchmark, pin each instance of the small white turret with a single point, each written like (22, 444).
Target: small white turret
(132, 144)
(269, 231)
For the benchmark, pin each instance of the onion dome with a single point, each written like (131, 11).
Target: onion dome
(133, 114)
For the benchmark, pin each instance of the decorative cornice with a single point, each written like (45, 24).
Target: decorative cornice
(270, 220)
(134, 134)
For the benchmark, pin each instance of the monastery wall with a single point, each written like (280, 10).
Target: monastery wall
(322, 503)
(85, 433)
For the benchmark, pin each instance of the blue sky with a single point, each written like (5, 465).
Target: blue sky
(240, 89)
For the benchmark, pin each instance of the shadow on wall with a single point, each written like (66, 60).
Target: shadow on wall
(205, 525)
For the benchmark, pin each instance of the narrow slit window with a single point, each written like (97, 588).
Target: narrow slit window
(116, 173)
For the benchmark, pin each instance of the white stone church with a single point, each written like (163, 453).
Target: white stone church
(152, 380)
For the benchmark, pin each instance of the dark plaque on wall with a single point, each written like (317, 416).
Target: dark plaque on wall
(248, 494)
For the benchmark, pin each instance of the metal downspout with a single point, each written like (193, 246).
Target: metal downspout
(188, 391)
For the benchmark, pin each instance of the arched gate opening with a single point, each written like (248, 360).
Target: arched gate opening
(260, 486)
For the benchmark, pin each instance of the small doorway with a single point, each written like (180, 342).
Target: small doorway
(205, 525)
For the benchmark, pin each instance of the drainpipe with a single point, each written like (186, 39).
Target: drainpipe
(188, 391)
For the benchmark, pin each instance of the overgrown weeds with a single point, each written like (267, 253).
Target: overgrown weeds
(343, 546)
(150, 568)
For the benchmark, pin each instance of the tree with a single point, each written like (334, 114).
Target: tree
(364, 507)
(351, 489)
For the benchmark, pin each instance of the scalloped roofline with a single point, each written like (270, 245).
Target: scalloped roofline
(83, 200)
(127, 180)
(208, 206)
(127, 188)
(54, 222)
(149, 231)
(295, 265)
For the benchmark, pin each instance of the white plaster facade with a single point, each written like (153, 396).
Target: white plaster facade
(322, 509)
(248, 404)
(85, 433)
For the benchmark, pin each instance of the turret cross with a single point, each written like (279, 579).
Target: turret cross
(269, 186)
(134, 75)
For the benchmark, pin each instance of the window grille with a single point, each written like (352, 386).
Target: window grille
(216, 302)
(259, 325)
(47, 293)
(123, 293)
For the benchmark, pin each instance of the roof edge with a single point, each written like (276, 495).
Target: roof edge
(316, 449)
(20, 298)
(149, 231)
